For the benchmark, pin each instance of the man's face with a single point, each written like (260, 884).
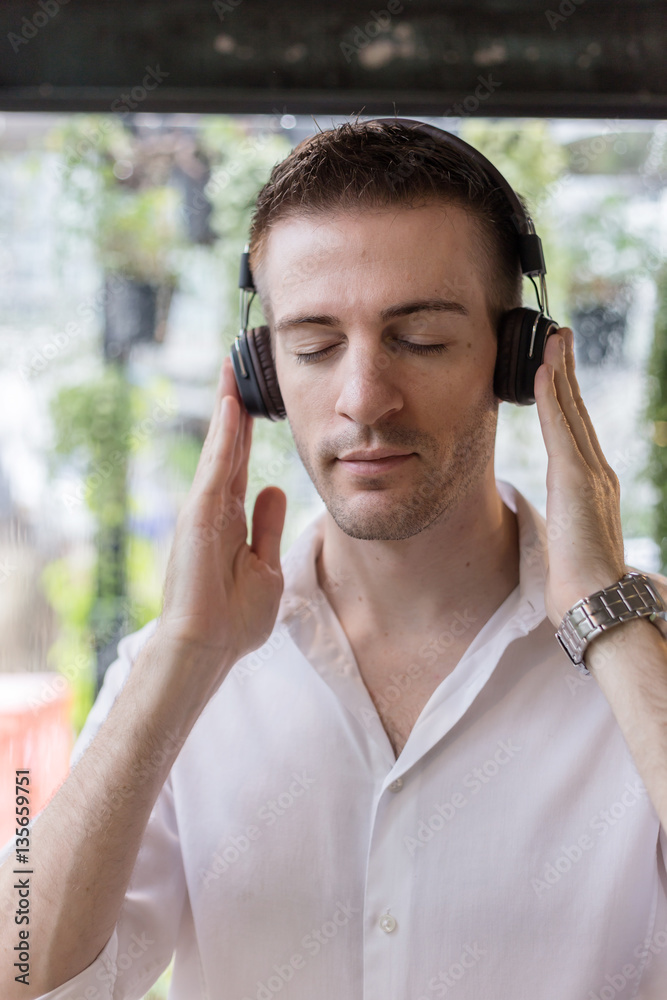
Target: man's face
(351, 285)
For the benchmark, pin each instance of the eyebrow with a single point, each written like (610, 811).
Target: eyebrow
(391, 312)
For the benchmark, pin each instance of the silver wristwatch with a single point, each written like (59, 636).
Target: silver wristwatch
(632, 597)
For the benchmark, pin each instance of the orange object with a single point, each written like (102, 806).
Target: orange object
(36, 734)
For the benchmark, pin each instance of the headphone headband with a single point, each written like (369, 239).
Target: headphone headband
(530, 245)
(530, 250)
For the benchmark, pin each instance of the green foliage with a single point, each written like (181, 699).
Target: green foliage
(69, 584)
(595, 260)
(183, 455)
(657, 415)
(525, 153)
(94, 422)
(145, 582)
(138, 234)
(606, 255)
(69, 587)
(117, 194)
(90, 421)
(242, 165)
(98, 423)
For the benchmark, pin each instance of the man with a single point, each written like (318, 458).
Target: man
(371, 771)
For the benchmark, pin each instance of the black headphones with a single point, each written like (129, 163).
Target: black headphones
(522, 333)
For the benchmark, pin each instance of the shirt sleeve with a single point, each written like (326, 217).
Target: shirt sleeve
(144, 938)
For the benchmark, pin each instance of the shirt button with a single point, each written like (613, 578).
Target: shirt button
(396, 785)
(387, 923)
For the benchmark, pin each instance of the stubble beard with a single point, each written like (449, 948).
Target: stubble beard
(438, 483)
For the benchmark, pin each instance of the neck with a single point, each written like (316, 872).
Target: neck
(468, 562)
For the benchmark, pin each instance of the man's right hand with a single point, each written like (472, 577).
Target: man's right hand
(221, 594)
(221, 601)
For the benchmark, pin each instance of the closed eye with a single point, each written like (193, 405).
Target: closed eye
(407, 344)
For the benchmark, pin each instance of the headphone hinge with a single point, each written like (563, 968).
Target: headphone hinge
(531, 255)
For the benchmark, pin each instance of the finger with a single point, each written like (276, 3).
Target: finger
(268, 519)
(556, 354)
(240, 479)
(576, 394)
(226, 387)
(245, 422)
(207, 449)
(226, 384)
(558, 438)
(217, 474)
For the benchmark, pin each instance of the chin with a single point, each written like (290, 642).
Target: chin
(391, 519)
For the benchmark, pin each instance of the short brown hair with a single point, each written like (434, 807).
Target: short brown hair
(368, 164)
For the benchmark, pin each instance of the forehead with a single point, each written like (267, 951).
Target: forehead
(431, 247)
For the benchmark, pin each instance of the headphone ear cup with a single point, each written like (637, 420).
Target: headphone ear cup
(516, 364)
(259, 341)
(529, 364)
(509, 337)
(258, 388)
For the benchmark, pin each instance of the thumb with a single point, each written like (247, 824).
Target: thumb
(268, 521)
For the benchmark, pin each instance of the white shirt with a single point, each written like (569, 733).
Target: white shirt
(510, 853)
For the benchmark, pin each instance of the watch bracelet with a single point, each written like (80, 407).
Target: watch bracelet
(602, 610)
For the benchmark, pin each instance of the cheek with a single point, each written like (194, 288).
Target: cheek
(480, 347)
(475, 374)
(308, 401)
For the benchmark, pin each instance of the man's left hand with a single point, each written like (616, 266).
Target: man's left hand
(584, 536)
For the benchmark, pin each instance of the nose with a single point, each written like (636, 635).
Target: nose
(368, 383)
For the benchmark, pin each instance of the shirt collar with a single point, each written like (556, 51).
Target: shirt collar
(302, 593)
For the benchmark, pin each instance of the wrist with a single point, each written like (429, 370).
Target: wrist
(175, 646)
(176, 679)
(630, 598)
(611, 647)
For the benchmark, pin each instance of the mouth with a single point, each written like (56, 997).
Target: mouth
(372, 467)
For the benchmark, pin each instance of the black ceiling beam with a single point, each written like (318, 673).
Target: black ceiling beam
(556, 58)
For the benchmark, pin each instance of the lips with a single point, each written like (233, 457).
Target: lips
(372, 456)
(375, 466)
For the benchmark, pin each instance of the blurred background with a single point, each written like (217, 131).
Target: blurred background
(119, 254)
